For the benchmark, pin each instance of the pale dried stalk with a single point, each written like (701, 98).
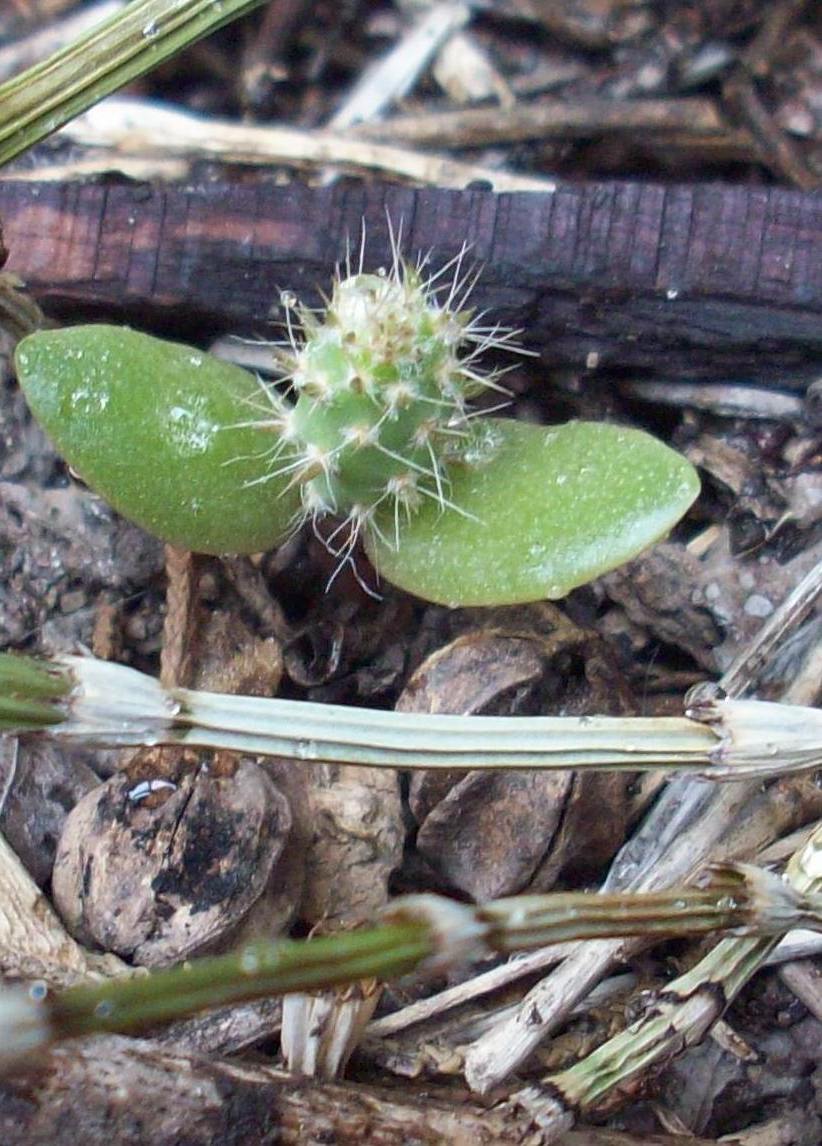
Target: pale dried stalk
(681, 833)
(723, 398)
(677, 1020)
(139, 127)
(33, 942)
(320, 1031)
(116, 706)
(548, 119)
(141, 168)
(392, 77)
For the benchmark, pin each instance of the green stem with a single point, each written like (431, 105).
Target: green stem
(105, 59)
(728, 901)
(30, 692)
(33, 679)
(258, 969)
(415, 928)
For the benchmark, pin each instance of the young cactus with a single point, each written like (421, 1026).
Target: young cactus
(380, 418)
(376, 433)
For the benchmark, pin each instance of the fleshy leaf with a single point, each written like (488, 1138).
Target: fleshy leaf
(162, 432)
(546, 510)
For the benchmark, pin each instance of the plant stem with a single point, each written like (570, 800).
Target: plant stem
(117, 51)
(30, 692)
(416, 928)
(679, 1018)
(727, 892)
(259, 969)
(116, 706)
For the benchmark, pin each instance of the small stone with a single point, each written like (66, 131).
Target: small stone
(758, 606)
(72, 600)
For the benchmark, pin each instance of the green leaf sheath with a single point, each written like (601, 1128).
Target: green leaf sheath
(546, 510)
(30, 693)
(260, 968)
(162, 432)
(106, 58)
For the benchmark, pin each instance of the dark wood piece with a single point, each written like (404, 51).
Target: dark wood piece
(127, 1091)
(680, 280)
(131, 1092)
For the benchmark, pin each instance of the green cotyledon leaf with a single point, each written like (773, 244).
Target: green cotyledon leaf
(543, 511)
(175, 439)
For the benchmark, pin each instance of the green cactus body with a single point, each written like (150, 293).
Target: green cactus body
(381, 393)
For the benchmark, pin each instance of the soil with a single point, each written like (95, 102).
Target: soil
(333, 844)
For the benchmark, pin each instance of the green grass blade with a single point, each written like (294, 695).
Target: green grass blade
(111, 55)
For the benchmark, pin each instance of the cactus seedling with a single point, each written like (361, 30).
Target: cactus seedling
(382, 387)
(454, 507)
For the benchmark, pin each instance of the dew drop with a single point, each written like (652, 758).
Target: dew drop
(146, 788)
(249, 962)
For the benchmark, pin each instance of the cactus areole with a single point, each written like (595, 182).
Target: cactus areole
(371, 427)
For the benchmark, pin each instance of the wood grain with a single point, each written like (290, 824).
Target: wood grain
(678, 280)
